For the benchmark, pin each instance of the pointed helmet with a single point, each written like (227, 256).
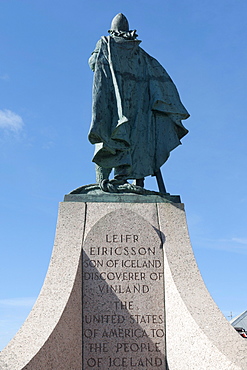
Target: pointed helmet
(120, 23)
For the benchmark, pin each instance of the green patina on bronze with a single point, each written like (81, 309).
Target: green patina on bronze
(137, 112)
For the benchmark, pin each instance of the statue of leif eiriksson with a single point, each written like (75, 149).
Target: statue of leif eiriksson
(137, 112)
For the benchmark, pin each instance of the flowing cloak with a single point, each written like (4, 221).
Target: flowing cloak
(137, 112)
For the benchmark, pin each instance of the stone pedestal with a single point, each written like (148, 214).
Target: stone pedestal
(123, 291)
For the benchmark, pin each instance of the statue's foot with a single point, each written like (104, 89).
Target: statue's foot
(106, 186)
(118, 181)
(111, 186)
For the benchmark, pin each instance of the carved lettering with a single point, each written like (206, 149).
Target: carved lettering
(120, 276)
(92, 362)
(124, 275)
(123, 305)
(124, 333)
(122, 238)
(125, 362)
(137, 347)
(98, 347)
(103, 319)
(146, 319)
(122, 251)
(124, 289)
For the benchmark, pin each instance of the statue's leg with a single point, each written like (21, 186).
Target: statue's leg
(102, 173)
(139, 182)
(121, 174)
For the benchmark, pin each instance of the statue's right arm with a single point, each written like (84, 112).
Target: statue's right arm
(93, 57)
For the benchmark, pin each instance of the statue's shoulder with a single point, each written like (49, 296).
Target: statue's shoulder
(149, 58)
(101, 45)
(99, 52)
(102, 41)
(154, 67)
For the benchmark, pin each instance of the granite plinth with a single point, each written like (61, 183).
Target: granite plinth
(144, 303)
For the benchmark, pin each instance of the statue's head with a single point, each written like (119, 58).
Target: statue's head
(120, 23)
(120, 28)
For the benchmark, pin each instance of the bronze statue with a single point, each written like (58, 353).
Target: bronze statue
(137, 112)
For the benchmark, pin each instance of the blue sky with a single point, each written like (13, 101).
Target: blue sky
(45, 112)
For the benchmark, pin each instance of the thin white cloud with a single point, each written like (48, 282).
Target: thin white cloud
(240, 240)
(48, 145)
(10, 121)
(4, 77)
(235, 244)
(18, 302)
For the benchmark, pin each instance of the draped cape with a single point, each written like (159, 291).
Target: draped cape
(137, 112)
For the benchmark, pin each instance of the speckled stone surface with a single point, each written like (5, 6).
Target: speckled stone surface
(59, 325)
(123, 285)
(206, 340)
(51, 337)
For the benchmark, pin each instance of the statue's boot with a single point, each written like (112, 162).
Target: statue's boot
(121, 174)
(102, 173)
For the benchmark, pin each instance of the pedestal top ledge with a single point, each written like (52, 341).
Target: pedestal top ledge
(123, 198)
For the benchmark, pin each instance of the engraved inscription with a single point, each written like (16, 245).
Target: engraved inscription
(123, 307)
